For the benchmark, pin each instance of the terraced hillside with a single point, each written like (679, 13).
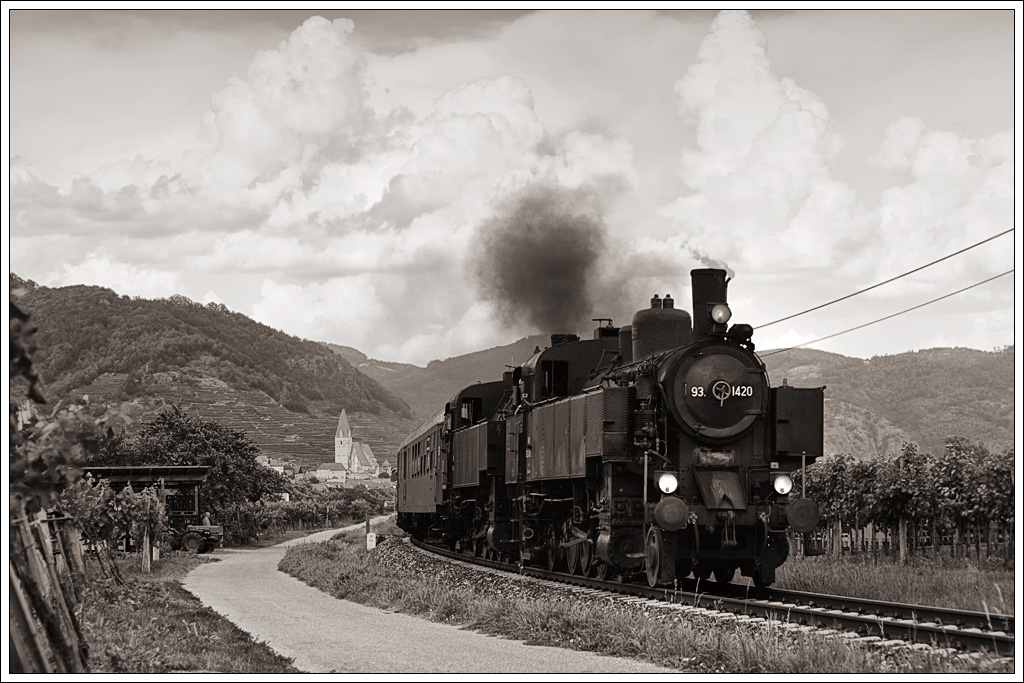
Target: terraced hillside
(308, 439)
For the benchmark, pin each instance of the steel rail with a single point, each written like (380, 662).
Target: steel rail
(871, 619)
(986, 621)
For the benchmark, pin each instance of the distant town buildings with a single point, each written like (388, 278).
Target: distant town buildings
(354, 462)
(332, 471)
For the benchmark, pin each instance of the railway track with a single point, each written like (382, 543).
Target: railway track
(855, 618)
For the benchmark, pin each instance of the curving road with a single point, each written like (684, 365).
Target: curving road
(324, 634)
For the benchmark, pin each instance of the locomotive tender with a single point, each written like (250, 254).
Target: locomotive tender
(654, 448)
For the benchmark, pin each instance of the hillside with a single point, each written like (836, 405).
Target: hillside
(927, 394)
(286, 392)
(283, 392)
(380, 370)
(306, 438)
(872, 406)
(427, 389)
(85, 332)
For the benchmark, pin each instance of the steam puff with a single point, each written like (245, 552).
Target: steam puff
(537, 259)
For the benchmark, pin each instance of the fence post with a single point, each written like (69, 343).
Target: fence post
(147, 548)
(29, 652)
(903, 540)
(52, 625)
(72, 540)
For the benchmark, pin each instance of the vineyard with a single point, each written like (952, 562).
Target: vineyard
(957, 502)
(248, 521)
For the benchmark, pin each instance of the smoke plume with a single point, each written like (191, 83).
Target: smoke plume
(710, 262)
(537, 257)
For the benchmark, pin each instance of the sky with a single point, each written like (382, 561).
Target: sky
(423, 184)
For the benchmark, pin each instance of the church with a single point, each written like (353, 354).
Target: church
(352, 460)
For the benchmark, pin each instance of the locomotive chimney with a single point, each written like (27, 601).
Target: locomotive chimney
(709, 289)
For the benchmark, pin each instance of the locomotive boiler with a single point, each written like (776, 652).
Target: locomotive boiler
(657, 449)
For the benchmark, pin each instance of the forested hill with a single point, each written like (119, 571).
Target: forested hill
(85, 332)
(380, 370)
(926, 395)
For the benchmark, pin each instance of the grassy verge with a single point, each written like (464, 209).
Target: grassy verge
(397, 578)
(153, 625)
(960, 586)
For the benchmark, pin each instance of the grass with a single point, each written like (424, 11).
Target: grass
(505, 606)
(153, 625)
(960, 585)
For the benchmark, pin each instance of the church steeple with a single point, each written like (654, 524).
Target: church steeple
(343, 442)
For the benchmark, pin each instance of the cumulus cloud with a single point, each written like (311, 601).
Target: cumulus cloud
(761, 194)
(960, 191)
(99, 269)
(404, 234)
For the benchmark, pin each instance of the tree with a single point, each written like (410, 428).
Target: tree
(175, 438)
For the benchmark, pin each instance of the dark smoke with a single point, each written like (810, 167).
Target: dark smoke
(537, 260)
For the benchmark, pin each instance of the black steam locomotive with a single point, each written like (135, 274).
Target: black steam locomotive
(658, 447)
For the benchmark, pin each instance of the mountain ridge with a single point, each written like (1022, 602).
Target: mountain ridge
(88, 335)
(872, 406)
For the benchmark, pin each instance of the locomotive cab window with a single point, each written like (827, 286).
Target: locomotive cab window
(555, 377)
(471, 410)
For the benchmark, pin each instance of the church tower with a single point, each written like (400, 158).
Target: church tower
(343, 442)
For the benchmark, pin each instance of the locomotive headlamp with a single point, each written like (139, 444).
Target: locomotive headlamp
(720, 313)
(783, 484)
(668, 482)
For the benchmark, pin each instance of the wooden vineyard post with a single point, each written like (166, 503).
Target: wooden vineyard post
(837, 539)
(903, 540)
(29, 653)
(935, 538)
(147, 552)
(41, 603)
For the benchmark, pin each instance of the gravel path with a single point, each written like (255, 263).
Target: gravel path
(323, 634)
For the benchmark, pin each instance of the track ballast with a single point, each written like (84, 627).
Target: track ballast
(869, 620)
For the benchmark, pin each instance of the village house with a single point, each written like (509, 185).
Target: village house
(333, 472)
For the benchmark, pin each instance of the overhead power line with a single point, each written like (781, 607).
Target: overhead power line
(914, 308)
(892, 279)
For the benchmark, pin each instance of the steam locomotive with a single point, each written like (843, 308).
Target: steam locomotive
(657, 448)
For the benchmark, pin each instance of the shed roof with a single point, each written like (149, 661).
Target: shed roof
(151, 474)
